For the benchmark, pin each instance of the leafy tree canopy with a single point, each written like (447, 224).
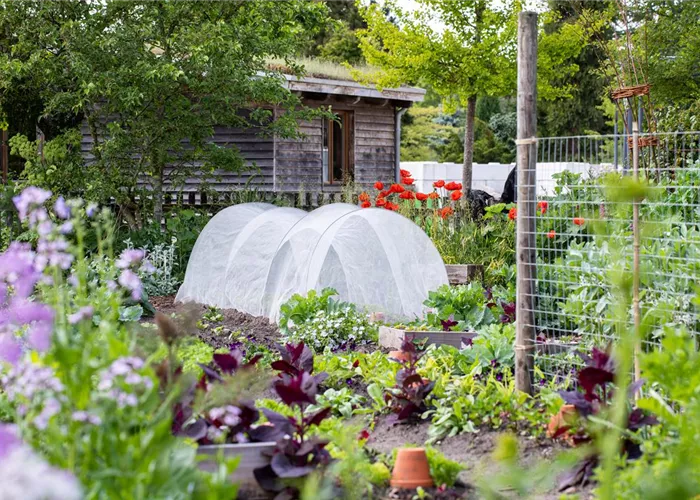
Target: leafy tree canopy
(150, 80)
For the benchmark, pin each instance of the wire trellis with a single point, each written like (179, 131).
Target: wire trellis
(584, 232)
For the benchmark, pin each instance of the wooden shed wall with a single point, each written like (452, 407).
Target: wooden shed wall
(299, 162)
(296, 164)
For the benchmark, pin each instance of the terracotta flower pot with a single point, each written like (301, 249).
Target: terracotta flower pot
(400, 355)
(564, 418)
(411, 469)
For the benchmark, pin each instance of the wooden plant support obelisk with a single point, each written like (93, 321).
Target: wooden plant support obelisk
(526, 197)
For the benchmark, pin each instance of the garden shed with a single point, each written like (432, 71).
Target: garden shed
(361, 144)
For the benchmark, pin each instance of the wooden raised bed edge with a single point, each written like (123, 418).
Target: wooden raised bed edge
(253, 455)
(461, 274)
(394, 337)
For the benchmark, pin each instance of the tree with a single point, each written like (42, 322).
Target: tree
(150, 80)
(465, 49)
(581, 112)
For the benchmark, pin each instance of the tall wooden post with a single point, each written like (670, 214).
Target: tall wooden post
(636, 258)
(525, 226)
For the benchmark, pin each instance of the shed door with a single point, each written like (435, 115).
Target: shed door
(338, 165)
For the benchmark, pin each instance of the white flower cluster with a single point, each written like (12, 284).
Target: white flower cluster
(341, 329)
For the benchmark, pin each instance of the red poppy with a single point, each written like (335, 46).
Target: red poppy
(453, 186)
(407, 180)
(363, 197)
(439, 184)
(405, 173)
(512, 213)
(396, 188)
(551, 234)
(384, 194)
(579, 221)
(406, 195)
(366, 204)
(542, 206)
(456, 195)
(391, 206)
(421, 196)
(380, 202)
(433, 196)
(378, 186)
(446, 212)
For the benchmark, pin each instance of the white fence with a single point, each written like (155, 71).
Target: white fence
(491, 177)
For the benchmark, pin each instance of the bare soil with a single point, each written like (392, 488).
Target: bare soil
(218, 334)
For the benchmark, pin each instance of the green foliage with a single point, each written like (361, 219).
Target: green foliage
(672, 374)
(492, 346)
(299, 309)
(150, 81)
(358, 474)
(124, 446)
(470, 305)
(339, 328)
(344, 402)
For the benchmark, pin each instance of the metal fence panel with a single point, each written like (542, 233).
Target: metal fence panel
(581, 233)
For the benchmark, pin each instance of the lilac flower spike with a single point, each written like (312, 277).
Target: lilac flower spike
(130, 281)
(91, 210)
(82, 314)
(130, 258)
(61, 208)
(10, 350)
(30, 199)
(8, 439)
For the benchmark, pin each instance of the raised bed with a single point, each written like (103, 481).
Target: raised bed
(253, 455)
(394, 337)
(461, 274)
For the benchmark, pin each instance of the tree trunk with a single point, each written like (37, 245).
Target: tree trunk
(158, 195)
(468, 146)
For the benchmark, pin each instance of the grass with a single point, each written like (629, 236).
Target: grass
(317, 68)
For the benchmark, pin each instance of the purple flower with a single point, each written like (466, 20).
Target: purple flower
(83, 416)
(53, 253)
(61, 208)
(8, 439)
(30, 199)
(66, 228)
(17, 269)
(10, 350)
(23, 312)
(130, 258)
(39, 337)
(51, 407)
(45, 228)
(130, 281)
(82, 314)
(91, 210)
(499, 377)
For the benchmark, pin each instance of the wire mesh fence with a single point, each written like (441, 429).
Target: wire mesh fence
(583, 232)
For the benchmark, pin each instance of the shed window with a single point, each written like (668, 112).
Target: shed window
(337, 145)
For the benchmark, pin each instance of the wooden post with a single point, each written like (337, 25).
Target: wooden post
(636, 259)
(526, 196)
